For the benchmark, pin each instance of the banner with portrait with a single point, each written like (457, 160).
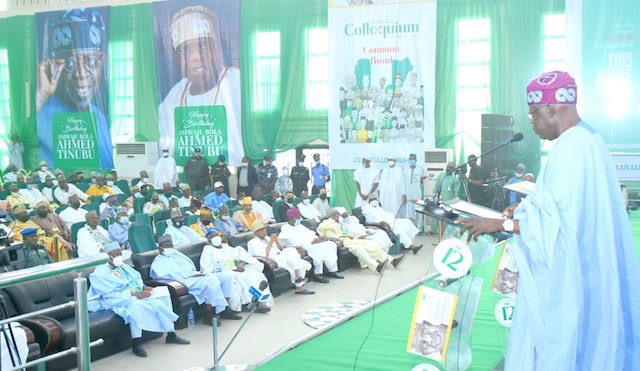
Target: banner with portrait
(382, 77)
(71, 92)
(197, 45)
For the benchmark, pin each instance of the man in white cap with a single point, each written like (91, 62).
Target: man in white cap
(245, 269)
(92, 238)
(207, 80)
(211, 289)
(120, 288)
(216, 198)
(391, 187)
(366, 178)
(181, 234)
(166, 170)
(43, 171)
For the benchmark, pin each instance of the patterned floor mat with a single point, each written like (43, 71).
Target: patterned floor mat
(327, 314)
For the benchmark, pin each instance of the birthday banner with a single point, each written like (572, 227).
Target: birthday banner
(382, 74)
(75, 141)
(197, 43)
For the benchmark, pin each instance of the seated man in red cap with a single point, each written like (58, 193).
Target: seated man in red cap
(322, 251)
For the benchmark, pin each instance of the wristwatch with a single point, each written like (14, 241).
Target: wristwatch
(508, 225)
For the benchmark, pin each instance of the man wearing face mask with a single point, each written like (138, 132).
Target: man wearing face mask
(92, 238)
(144, 180)
(167, 194)
(43, 171)
(181, 234)
(120, 289)
(185, 200)
(403, 228)
(14, 197)
(321, 203)
(286, 205)
(300, 177)
(225, 224)
(391, 187)
(220, 173)
(74, 213)
(166, 169)
(31, 193)
(119, 229)
(112, 185)
(515, 197)
(34, 253)
(247, 177)
(247, 216)
(21, 222)
(134, 192)
(267, 175)
(47, 189)
(49, 222)
(154, 205)
(320, 173)
(196, 170)
(366, 179)
(204, 223)
(99, 188)
(216, 198)
(369, 254)
(307, 210)
(11, 174)
(413, 177)
(66, 190)
(213, 290)
(323, 252)
(284, 183)
(108, 208)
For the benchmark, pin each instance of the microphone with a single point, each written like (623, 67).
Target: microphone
(258, 295)
(515, 138)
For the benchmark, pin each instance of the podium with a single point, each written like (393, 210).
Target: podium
(477, 340)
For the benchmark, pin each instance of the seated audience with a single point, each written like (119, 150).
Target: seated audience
(34, 253)
(154, 205)
(307, 210)
(99, 188)
(321, 203)
(119, 229)
(194, 207)
(352, 226)
(11, 174)
(92, 238)
(247, 216)
(212, 289)
(21, 222)
(167, 194)
(286, 205)
(144, 180)
(181, 234)
(15, 198)
(120, 289)
(134, 192)
(204, 221)
(108, 208)
(185, 200)
(216, 198)
(261, 206)
(74, 213)
(44, 172)
(65, 190)
(31, 193)
(225, 224)
(402, 227)
(289, 258)
(49, 222)
(47, 188)
(111, 180)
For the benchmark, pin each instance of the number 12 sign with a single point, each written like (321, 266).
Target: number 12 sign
(452, 258)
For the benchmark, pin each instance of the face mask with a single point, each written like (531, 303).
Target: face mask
(118, 261)
(306, 201)
(124, 220)
(14, 172)
(340, 220)
(412, 162)
(165, 154)
(289, 199)
(137, 195)
(93, 180)
(366, 164)
(145, 180)
(285, 172)
(374, 203)
(391, 163)
(224, 217)
(177, 224)
(323, 196)
(29, 186)
(44, 168)
(297, 222)
(245, 164)
(110, 183)
(519, 175)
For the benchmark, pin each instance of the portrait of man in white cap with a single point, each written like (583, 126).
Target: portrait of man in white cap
(207, 79)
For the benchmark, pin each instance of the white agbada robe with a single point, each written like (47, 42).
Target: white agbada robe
(228, 95)
(309, 211)
(183, 235)
(209, 288)
(413, 191)
(223, 259)
(44, 174)
(288, 258)
(325, 252)
(321, 205)
(71, 216)
(264, 209)
(48, 193)
(92, 241)
(391, 189)
(166, 172)
(366, 177)
(63, 196)
(352, 226)
(184, 202)
(404, 228)
(32, 195)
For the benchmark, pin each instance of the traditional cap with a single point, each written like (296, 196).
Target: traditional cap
(28, 231)
(76, 29)
(44, 203)
(222, 207)
(246, 201)
(112, 246)
(222, 158)
(19, 209)
(164, 239)
(341, 210)
(193, 22)
(110, 197)
(197, 150)
(216, 241)
(555, 87)
(257, 225)
(293, 213)
(218, 184)
(134, 188)
(209, 232)
(122, 209)
(175, 213)
(43, 163)
(316, 154)
(333, 211)
(205, 211)
(366, 157)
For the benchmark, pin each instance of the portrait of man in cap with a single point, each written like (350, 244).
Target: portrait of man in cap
(197, 41)
(71, 74)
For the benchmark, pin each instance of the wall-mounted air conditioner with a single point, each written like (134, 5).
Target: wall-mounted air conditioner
(131, 158)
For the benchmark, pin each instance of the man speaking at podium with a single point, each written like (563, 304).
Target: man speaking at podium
(578, 303)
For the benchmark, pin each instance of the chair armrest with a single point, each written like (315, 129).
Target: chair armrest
(176, 289)
(269, 264)
(47, 332)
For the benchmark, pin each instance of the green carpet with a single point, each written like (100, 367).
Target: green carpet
(385, 348)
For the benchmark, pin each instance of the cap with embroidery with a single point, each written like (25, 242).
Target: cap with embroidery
(175, 213)
(192, 23)
(165, 238)
(555, 87)
(76, 29)
(112, 246)
(257, 225)
(246, 201)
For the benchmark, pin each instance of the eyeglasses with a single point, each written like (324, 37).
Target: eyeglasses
(88, 61)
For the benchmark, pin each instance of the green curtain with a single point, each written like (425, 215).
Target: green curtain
(288, 125)
(17, 35)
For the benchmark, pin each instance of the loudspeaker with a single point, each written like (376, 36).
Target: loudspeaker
(497, 129)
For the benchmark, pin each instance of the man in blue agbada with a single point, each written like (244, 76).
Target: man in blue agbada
(121, 290)
(578, 297)
(69, 78)
(211, 289)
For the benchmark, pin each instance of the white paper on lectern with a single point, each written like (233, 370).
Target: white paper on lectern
(524, 187)
(473, 209)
